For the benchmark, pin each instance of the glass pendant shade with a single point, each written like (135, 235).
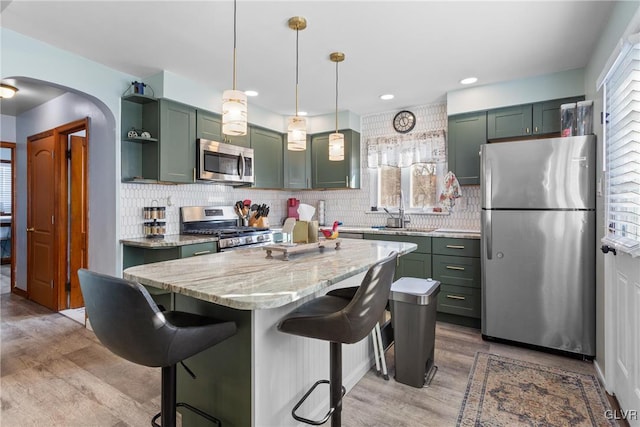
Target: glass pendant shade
(297, 134)
(336, 147)
(234, 112)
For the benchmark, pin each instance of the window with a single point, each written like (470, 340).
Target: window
(622, 145)
(410, 164)
(5, 186)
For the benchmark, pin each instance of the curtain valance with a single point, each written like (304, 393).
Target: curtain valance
(406, 150)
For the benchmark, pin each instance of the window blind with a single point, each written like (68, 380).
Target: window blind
(622, 146)
(5, 187)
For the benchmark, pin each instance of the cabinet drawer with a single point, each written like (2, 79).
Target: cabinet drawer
(457, 247)
(424, 243)
(453, 270)
(459, 300)
(198, 249)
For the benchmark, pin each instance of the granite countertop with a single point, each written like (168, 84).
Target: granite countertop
(414, 231)
(247, 280)
(170, 240)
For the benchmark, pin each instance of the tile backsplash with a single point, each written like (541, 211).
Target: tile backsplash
(349, 206)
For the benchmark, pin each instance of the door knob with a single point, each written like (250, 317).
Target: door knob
(30, 230)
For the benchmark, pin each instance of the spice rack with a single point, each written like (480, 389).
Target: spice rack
(153, 228)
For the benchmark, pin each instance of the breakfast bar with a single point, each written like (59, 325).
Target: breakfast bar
(255, 377)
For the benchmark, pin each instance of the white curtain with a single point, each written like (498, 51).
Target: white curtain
(406, 150)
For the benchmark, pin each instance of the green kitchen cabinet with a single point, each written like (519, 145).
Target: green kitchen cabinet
(546, 115)
(456, 265)
(139, 156)
(268, 158)
(413, 264)
(208, 125)
(177, 142)
(510, 122)
(335, 174)
(541, 118)
(297, 167)
(467, 132)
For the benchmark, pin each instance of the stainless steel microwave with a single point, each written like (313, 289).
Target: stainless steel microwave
(224, 163)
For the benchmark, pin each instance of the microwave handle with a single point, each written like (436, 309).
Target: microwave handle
(241, 169)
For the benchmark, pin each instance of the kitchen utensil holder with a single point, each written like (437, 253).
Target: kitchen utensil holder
(154, 228)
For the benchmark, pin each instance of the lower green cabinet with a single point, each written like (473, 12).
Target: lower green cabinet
(413, 264)
(456, 265)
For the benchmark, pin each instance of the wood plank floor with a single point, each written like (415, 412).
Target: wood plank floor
(54, 372)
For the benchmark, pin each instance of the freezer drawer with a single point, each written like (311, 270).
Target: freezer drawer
(538, 278)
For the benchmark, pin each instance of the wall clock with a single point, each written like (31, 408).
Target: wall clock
(404, 121)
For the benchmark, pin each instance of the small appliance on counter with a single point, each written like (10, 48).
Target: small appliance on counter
(292, 208)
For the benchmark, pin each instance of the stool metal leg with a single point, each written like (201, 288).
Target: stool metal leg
(168, 404)
(336, 383)
(383, 361)
(374, 339)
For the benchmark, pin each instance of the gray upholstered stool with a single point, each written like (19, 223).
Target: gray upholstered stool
(341, 321)
(127, 321)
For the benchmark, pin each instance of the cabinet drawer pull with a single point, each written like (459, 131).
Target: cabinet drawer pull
(458, 297)
(455, 246)
(201, 253)
(453, 267)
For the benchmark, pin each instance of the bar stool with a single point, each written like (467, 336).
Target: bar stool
(341, 321)
(127, 321)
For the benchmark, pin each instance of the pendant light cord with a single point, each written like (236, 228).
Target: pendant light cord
(336, 96)
(234, 44)
(297, 32)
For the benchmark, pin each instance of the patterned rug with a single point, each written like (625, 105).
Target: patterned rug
(508, 392)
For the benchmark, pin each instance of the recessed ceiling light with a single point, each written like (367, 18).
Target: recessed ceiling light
(469, 80)
(251, 92)
(386, 97)
(302, 113)
(7, 91)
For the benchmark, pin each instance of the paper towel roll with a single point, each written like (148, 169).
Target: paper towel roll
(321, 212)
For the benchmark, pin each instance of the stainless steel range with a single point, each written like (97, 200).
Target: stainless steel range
(222, 221)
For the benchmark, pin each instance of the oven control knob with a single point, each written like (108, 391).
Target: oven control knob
(260, 238)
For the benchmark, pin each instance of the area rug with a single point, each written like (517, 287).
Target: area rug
(508, 392)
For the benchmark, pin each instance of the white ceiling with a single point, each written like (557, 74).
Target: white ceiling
(417, 50)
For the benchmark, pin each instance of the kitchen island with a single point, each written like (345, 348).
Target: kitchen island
(255, 377)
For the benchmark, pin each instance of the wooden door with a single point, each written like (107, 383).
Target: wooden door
(78, 220)
(41, 236)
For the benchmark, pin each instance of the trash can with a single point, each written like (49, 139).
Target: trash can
(413, 317)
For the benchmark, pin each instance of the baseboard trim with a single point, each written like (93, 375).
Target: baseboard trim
(19, 292)
(600, 375)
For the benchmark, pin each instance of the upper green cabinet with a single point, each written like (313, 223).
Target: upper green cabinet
(208, 125)
(267, 154)
(546, 115)
(297, 168)
(509, 122)
(541, 118)
(177, 142)
(332, 174)
(467, 132)
(139, 156)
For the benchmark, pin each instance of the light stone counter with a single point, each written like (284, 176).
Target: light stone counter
(247, 280)
(414, 231)
(171, 240)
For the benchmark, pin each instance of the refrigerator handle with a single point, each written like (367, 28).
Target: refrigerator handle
(488, 190)
(488, 234)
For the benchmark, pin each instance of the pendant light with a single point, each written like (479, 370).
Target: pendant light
(7, 91)
(234, 102)
(297, 129)
(336, 140)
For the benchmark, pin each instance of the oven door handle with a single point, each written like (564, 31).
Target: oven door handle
(241, 168)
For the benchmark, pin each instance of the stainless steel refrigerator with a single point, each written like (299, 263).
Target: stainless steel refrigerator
(538, 242)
